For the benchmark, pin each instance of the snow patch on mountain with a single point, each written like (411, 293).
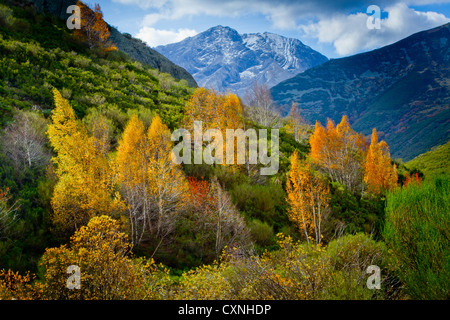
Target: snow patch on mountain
(222, 59)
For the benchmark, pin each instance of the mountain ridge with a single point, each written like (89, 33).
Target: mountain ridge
(401, 89)
(222, 59)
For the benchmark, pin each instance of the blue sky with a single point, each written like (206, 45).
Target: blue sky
(335, 28)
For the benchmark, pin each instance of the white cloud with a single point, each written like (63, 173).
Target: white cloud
(349, 33)
(282, 14)
(331, 24)
(154, 37)
(144, 4)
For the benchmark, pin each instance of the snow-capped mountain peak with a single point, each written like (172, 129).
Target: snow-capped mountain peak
(222, 59)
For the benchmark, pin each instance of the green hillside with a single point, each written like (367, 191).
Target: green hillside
(433, 162)
(38, 52)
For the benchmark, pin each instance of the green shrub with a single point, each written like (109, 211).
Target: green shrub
(263, 202)
(261, 232)
(359, 251)
(6, 16)
(417, 231)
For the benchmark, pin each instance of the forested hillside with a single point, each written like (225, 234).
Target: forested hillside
(89, 186)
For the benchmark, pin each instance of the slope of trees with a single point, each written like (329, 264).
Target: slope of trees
(87, 183)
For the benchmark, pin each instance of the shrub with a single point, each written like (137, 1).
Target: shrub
(6, 17)
(261, 232)
(417, 231)
(107, 271)
(263, 202)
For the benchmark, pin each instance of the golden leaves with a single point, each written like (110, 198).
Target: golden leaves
(308, 197)
(152, 184)
(380, 174)
(85, 186)
(101, 251)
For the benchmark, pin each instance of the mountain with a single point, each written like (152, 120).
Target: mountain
(222, 59)
(135, 48)
(402, 89)
(141, 52)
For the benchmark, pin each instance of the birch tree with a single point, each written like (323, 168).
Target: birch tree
(308, 197)
(23, 141)
(261, 107)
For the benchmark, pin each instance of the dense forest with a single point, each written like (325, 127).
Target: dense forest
(87, 180)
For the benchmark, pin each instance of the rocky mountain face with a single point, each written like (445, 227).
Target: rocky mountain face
(141, 52)
(55, 7)
(222, 59)
(135, 48)
(402, 89)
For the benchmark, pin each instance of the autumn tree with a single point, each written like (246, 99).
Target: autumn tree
(229, 224)
(14, 286)
(94, 31)
(151, 183)
(339, 151)
(166, 181)
(85, 186)
(216, 111)
(261, 107)
(101, 251)
(379, 173)
(217, 222)
(132, 170)
(411, 179)
(308, 196)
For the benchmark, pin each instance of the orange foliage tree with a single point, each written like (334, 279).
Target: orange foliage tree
(14, 286)
(308, 196)
(94, 30)
(339, 151)
(215, 111)
(379, 174)
(411, 179)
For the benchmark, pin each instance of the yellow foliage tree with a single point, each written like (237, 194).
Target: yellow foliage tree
(339, 151)
(14, 286)
(379, 174)
(216, 111)
(151, 183)
(107, 272)
(167, 183)
(85, 186)
(132, 173)
(308, 197)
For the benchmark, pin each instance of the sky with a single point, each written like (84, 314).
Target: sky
(334, 28)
